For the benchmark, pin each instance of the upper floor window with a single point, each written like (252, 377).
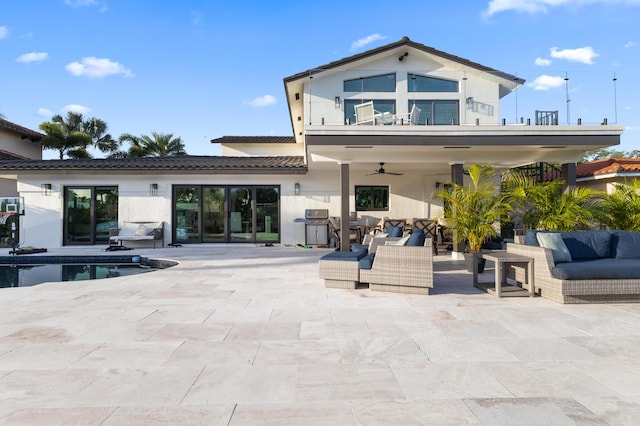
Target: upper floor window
(437, 112)
(380, 106)
(420, 83)
(376, 83)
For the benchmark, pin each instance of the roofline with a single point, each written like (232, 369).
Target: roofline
(22, 131)
(403, 42)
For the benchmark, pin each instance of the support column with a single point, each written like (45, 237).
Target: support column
(457, 177)
(569, 175)
(345, 244)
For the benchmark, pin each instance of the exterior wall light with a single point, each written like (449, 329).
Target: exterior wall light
(338, 104)
(153, 189)
(296, 188)
(45, 189)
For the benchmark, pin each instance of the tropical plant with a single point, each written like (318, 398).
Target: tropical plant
(67, 137)
(156, 145)
(548, 205)
(102, 140)
(475, 207)
(621, 208)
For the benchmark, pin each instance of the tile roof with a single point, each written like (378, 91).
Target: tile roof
(608, 166)
(21, 131)
(176, 164)
(6, 155)
(404, 42)
(254, 139)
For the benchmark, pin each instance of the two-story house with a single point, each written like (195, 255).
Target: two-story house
(375, 133)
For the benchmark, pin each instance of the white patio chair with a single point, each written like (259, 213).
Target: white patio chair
(365, 113)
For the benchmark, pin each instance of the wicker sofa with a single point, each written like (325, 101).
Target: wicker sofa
(603, 267)
(395, 268)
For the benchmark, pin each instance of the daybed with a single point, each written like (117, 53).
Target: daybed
(583, 266)
(137, 231)
(385, 266)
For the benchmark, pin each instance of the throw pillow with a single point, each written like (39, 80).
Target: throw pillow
(381, 235)
(553, 241)
(416, 239)
(142, 231)
(394, 231)
(402, 241)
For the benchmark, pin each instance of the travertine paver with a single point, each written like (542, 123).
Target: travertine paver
(242, 334)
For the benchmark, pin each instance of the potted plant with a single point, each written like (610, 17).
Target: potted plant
(474, 208)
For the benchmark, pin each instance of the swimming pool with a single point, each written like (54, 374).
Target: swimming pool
(29, 271)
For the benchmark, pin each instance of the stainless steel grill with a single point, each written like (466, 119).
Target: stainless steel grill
(317, 227)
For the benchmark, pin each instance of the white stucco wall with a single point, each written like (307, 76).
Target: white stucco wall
(42, 225)
(11, 142)
(319, 95)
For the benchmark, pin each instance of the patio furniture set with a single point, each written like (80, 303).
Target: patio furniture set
(597, 266)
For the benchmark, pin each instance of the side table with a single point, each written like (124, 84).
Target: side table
(503, 261)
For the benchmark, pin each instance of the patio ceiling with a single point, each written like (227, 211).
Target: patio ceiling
(440, 146)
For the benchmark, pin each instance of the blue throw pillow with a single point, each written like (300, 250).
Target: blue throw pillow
(394, 231)
(530, 238)
(588, 244)
(553, 241)
(416, 239)
(628, 245)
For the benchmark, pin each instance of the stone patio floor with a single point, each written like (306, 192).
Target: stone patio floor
(246, 335)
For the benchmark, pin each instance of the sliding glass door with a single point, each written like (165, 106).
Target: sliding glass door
(89, 214)
(212, 214)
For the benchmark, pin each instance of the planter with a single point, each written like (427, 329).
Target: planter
(470, 258)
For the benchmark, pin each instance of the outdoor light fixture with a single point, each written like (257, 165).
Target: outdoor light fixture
(296, 188)
(338, 104)
(401, 58)
(45, 189)
(153, 189)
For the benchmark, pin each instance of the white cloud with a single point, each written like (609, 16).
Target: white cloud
(82, 3)
(630, 44)
(93, 67)
(543, 62)
(44, 112)
(365, 41)
(32, 57)
(542, 6)
(263, 101)
(80, 109)
(581, 54)
(546, 82)
(4, 32)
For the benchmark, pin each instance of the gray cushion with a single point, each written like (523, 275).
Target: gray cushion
(416, 239)
(367, 261)
(553, 241)
(598, 269)
(394, 231)
(626, 245)
(530, 238)
(588, 244)
(344, 255)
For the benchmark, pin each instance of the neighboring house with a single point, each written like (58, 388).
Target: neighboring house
(17, 143)
(603, 175)
(424, 113)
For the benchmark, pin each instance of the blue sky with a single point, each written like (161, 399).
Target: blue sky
(203, 69)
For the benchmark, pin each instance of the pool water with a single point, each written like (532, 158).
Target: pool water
(28, 275)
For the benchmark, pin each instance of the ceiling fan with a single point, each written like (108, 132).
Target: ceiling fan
(382, 171)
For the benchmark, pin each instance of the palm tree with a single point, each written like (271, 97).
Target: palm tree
(621, 208)
(476, 207)
(100, 138)
(156, 145)
(544, 205)
(67, 137)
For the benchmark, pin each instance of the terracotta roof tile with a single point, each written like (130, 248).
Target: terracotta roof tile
(608, 166)
(254, 139)
(22, 131)
(178, 164)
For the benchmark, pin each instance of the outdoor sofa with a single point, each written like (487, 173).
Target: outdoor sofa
(137, 231)
(388, 264)
(597, 266)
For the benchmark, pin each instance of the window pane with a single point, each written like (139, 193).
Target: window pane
(372, 198)
(378, 83)
(419, 83)
(437, 112)
(267, 212)
(187, 205)
(380, 105)
(213, 214)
